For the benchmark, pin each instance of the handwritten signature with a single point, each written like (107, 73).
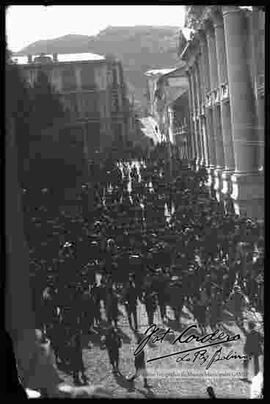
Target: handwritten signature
(154, 334)
(202, 356)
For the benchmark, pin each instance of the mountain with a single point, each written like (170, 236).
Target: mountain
(64, 44)
(140, 48)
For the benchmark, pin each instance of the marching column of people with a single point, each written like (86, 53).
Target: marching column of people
(149, 237)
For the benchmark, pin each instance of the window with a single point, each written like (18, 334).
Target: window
(68, 79)
(88, 77)
(115, 76)
(115, 102)
(92, 102)
(73, 102)
(89, 104)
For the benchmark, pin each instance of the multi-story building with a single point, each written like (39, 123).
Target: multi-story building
(92, 88)
(225, 67)
(168, 105)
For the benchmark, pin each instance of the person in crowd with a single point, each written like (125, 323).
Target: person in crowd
(113, 344)
(150, 300)
(112, 305)
(197, 243)
(159, 285)
(76, 358)
(140, 366)
(238, 302)
(252, 348)
(200, 306)
(95, 299)
(215, 309)
(131, 295)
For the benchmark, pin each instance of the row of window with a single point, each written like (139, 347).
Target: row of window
(84, 77)
(82, 105)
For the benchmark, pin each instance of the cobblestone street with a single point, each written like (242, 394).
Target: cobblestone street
(166, 377)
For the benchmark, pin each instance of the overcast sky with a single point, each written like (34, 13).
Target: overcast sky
(27, 24)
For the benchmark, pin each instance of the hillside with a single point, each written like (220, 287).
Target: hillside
(140, 48)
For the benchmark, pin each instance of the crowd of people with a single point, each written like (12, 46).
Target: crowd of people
(149, 233)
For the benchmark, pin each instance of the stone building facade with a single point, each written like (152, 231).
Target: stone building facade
(225, 67)
(168, 98)
(92, 88)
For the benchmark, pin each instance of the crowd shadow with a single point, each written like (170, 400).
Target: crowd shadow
(122, 381)
(148, 393)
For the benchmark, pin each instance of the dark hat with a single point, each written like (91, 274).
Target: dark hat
(251, 325)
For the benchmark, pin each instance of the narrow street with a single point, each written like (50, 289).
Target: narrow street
(167, 377)
(134, 201)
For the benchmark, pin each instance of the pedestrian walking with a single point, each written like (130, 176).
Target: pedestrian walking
(113, 344)
(200, 310)
(150, 300)
(76, 358)
(95, 298)
(252, 348)
(238, 302)
(112, 305)
(131, 295)
(140, 366)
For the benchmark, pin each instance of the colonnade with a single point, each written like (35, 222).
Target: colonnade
(227, 103)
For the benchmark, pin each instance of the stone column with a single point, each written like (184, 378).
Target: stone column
(192, 134)
(258, 53)
(198, 117)
(207, 106)
(229, 163)
(209, 129)
(194, 114)
(202, 110)
(214, 94)
(248, 187)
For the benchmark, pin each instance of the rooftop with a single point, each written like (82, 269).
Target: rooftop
(61, 57)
